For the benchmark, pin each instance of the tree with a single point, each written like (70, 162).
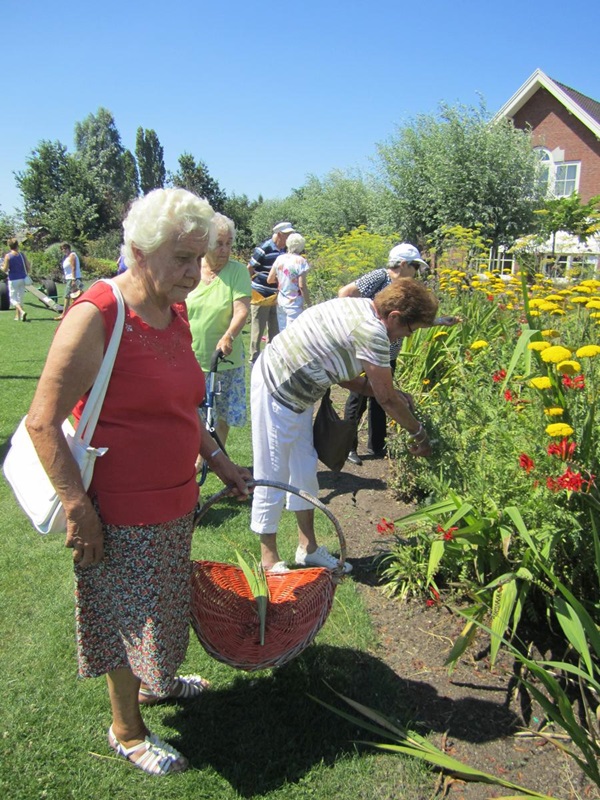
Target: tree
(196, 178)
(43, 180)
(458, 168)
(569, 214)
(98, 147)
(240, 209)
(150, 160)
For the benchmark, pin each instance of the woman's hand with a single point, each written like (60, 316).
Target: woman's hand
(421, 450)
(85, 535)
(228, 472)
(225, 344)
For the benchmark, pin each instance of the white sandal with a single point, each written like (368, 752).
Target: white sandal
(155, 756)
(185, 687)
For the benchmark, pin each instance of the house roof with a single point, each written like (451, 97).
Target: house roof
(584, 108)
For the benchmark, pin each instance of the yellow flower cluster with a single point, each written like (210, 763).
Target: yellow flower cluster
(555, 354)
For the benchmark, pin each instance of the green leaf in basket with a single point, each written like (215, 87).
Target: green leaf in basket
(257, 582)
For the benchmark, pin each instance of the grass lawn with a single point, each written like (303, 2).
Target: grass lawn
(253, 735)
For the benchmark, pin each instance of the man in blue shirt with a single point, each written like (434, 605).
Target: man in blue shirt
(263, 304)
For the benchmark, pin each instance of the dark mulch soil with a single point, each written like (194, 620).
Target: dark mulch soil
(475, 713)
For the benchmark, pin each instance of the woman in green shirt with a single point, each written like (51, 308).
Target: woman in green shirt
(217, 310)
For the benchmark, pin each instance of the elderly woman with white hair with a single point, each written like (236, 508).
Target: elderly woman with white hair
(218, 309)
(131, 531)
(289, 271)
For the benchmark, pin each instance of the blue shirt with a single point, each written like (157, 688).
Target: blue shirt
(261, 261)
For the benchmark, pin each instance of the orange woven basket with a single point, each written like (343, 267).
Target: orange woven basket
(224, 613)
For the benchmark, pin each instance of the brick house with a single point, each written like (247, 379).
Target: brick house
(565, 125)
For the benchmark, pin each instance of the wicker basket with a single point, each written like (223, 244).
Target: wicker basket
(224, 614)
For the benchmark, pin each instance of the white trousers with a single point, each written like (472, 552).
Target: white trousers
(282, 442)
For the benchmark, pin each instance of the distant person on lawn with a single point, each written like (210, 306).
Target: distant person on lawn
(16, 267)
(72, 274)
(263, 304)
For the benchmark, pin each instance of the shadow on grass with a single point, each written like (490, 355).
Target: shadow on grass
(262, 733)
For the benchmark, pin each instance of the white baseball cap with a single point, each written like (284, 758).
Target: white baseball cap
(283, 227)
(405, 252)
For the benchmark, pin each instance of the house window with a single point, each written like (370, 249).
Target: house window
(558, 178)
(566, 179)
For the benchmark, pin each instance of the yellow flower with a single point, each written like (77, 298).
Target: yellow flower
(439, 334)
(555, 411)
(538, 345)
(593, 304)
(480, 344)
(534, 313)
(550, 333)
(558, 312)
(569, 367)
(541, 383)
(580, 299)
(426, 381)
(559, 429)
(595, 315)
(588, 351)
(556, 354)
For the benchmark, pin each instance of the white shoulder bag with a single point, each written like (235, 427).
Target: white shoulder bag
(22, 468)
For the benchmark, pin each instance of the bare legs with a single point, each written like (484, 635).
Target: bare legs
(128, 725)
(306, 538)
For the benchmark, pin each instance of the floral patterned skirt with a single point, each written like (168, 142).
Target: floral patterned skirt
(230, 404)
(132, 609)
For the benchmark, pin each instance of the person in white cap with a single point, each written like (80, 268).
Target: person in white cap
(404, 261)
(263, 303)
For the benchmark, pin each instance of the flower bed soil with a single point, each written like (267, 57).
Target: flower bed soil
(477, 713)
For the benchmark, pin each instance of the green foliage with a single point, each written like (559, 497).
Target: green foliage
(107, 246)
(494, 475)
(196, 178)
(456, 168)
(150, 160)
(340, 260)
(568, 214)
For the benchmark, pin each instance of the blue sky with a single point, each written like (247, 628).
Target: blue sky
(267, 92)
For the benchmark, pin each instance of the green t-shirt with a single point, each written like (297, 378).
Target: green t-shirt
(210, 308)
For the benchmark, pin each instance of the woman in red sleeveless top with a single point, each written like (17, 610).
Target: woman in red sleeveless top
(131, 532)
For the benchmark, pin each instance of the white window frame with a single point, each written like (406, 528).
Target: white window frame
(550, 162)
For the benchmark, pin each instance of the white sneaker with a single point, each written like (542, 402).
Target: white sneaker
(277, 569)
(320, 558)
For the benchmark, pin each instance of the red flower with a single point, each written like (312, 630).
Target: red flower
(552, 484)
(490, 297)
(526, 463)
(571, 481)
(563, 449)
(430, 602)
(499, 376)
(509, 396)
(385, 526)
(577, 382)
(446, 534)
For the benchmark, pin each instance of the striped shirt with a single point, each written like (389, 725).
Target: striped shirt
(261, 261)
(371, 284)
(326, 344)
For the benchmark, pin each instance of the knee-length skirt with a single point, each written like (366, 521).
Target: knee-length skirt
(132, 609)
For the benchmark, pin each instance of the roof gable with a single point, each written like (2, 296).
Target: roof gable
(584, 108)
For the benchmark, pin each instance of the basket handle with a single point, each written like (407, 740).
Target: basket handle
(202, 509)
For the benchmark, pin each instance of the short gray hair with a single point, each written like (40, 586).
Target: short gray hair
(295, 243)
(162, 214)
(221, 223)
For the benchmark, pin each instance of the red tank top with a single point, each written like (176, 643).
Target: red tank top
(149, 420)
